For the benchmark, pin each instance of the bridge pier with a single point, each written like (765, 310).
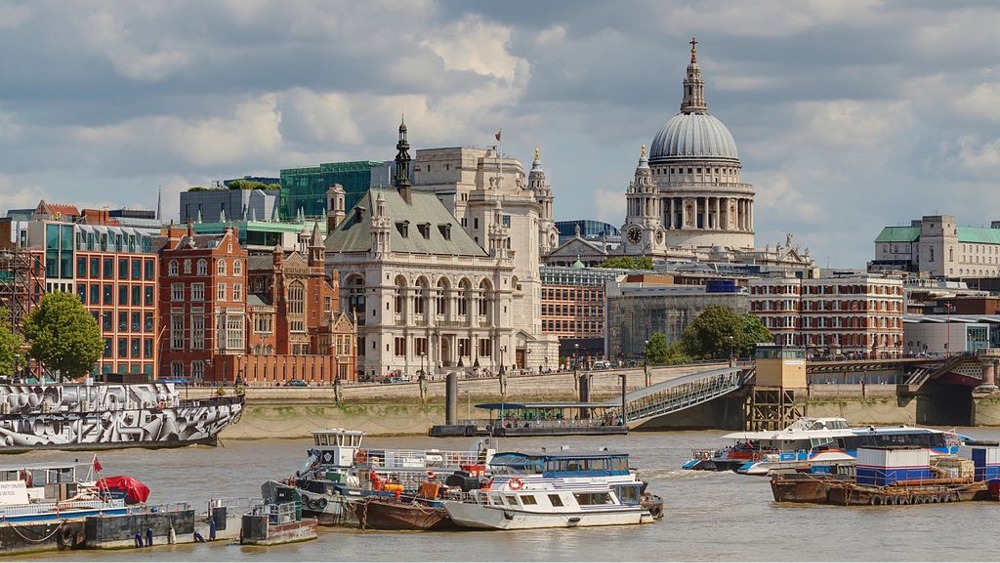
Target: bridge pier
(989, 358)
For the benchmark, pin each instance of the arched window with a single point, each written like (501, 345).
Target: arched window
(441, 299)
(420, 299)
(202, 268)
(221, 268)
(237, 268)
(296, 298)
(399, 294)
(464, 297)
(172, 268)
(176, 369)
(485, 298)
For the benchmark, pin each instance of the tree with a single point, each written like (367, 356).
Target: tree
(629, 262)
(718, 332)
(11, 358)
(63, 335)
(656, 348)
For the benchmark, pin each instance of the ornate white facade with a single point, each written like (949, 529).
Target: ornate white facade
(479, 186)
(433, 273)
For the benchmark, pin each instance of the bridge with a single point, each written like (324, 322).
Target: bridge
(683, 392)
(675, 395)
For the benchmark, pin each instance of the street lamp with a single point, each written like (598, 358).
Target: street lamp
(576, 353)
(502, 350)
(730, 339)
(645, 366)
(624, 379)
(947, 345)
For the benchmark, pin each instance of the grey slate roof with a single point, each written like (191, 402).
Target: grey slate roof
(354, 234)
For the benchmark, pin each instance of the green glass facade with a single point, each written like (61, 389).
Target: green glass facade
(303, 190)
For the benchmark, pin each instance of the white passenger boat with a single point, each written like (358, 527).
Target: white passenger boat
(819, 445)
(41, 492)
(557, 490)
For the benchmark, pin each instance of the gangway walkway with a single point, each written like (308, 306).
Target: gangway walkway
(681, 393)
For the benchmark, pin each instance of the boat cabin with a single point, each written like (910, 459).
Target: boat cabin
(561, 464)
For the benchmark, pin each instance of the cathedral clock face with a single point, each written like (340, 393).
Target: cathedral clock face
(634, 235)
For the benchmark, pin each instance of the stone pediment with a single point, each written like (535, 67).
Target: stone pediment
(577, 247)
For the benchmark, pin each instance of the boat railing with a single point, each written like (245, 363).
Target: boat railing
(421, 459)
(233, 504)
(276, 513)
(168, 507)
(58, 507)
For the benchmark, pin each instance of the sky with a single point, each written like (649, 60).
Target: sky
(849, 116)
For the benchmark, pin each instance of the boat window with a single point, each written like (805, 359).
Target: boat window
(511, 499)
(555, 500)
(584, 499)
(528, 499)
(628, 494)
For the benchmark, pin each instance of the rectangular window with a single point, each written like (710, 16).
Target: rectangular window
(400, 345)
(147, 322)
(136, 342)
(147, 347)
(106, 321)
(123, 268)
(81, 292)
(136, 269)
(123, 347)
(107, 347)
(237, 292)
(136, 295)
(148, 293)
(177, 292)
(177, 332)
(109, 268)
(234, 332)
(95, 267)
(150, 269)
(95, 294)
(122, 321)
(136, 327)
(108, 294)
(197, 332)
(81, 267)
(197, 292)
(220, 293)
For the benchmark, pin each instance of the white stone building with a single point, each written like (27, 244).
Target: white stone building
(936, 246)
(427, 294)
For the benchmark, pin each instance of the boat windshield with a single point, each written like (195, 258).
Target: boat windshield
(560, 464)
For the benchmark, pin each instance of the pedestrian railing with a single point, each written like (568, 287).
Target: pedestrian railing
(684, 392)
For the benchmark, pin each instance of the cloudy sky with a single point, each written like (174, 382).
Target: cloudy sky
(849, 116)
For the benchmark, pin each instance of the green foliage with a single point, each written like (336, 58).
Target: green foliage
(243, 184)
(629, 262)
(197, 189)
(659, 352)
(11, 357)
(656, 348)
(718, 330)
(63, 335)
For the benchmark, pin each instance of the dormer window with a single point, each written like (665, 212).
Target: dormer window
(445, 229)
(403, 228)
(425, 230)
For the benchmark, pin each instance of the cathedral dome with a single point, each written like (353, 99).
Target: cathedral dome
(692, 135)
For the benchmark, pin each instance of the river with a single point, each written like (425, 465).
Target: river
(708, 516)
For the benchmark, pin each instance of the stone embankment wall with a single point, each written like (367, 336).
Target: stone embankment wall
(399, 409)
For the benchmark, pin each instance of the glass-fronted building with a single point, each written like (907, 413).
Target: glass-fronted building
(303, 190)
(589, 230)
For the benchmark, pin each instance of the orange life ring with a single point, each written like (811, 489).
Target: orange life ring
(756, 457)
(360, 456)
(515, 484)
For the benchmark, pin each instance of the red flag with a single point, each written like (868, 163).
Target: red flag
(498, 135)
(97, 465)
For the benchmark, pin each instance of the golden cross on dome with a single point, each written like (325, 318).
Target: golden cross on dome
(536, 153)
(694, 50)
(644, 149)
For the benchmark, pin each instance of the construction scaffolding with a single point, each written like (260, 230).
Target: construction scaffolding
(21, 275)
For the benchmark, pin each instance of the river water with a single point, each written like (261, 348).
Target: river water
(708, 516)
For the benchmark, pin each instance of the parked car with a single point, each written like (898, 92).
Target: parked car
(296, 383)
(602, 364)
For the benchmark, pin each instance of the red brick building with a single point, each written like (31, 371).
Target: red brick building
(294, 312)
(203, 308)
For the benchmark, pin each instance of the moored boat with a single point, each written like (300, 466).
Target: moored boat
(339, 471)
(815, 445)
(89, 416)
(278, 520)
(563, 489)
(883, 476)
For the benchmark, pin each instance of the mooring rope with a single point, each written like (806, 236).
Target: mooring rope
(46, 538)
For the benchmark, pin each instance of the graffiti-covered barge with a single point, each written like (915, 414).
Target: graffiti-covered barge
(98, 416)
